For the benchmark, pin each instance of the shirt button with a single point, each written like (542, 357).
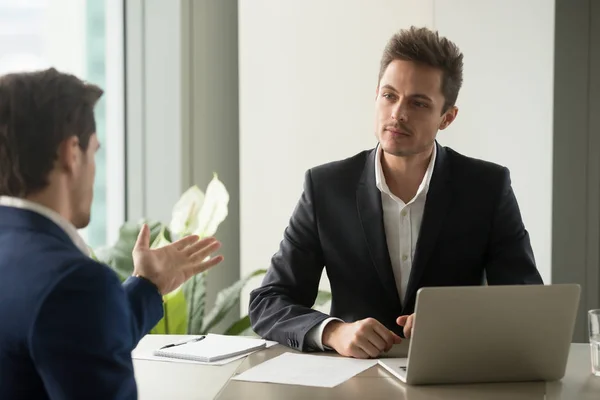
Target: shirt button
(404, 257)
(403, 213)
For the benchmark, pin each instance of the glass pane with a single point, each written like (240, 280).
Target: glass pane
(71, 35)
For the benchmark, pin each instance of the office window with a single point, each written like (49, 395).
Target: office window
(85, 38)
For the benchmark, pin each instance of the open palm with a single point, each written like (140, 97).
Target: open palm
(170, 266)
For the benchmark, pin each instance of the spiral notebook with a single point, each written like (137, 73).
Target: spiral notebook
(211, 348)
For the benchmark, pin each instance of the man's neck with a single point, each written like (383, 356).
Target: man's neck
(53, 200)
(403, 175)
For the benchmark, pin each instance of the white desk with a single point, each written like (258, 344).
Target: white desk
(177, 381)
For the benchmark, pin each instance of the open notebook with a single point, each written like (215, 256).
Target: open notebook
(212, 347)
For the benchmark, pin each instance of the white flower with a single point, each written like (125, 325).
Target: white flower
(199, 214)
(213, 211)
(185, 212)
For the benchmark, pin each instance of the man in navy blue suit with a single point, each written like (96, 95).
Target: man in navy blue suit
(67, 325)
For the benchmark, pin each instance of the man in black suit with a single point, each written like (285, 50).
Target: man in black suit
(388, 221)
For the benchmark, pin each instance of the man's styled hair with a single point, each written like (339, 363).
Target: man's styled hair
(424, 46)
(38, 111)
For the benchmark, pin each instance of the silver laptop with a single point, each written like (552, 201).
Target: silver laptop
(482, 334)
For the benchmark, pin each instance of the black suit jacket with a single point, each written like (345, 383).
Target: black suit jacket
(471, 231)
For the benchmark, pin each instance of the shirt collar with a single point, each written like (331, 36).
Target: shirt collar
(380, 177)
(52, 215)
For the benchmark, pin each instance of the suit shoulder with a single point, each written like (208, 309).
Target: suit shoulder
(69, 269)
(340, 169)
(475, 167)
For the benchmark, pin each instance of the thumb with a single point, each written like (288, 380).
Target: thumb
(143, 239)
(402, 320)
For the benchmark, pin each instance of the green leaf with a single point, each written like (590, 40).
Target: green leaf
(239, 326)
(176, 319)
(322, 298)
(195, 295)
(226, 300)
(161, 239)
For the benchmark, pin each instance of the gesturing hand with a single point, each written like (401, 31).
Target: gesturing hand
(170, 266)
(361, 339)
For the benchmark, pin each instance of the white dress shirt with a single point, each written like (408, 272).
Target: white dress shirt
(402, 223)
(52, 215)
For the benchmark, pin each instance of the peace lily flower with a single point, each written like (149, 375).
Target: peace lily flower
(213, 211)
(183, 216)
(198, 214)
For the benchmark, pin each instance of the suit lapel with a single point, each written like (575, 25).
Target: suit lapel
(368, 199)
(436, 208)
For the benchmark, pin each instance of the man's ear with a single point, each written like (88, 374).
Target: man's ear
(448, 117)
(376, 92)
(68, 154)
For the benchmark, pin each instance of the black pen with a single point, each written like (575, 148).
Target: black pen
(180, 343)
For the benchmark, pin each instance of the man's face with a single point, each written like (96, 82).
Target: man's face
(82, 190)
(409, 107)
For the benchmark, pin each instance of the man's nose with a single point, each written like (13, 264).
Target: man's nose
(399, 112)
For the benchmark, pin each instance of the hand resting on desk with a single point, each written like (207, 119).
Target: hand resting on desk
(367, 338)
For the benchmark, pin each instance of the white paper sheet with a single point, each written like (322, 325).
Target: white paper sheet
(148, 356)
(306, 370)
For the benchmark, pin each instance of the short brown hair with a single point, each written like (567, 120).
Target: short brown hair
(425, 46)
(38, 111)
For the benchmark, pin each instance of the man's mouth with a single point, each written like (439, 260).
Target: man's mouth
(396, 131)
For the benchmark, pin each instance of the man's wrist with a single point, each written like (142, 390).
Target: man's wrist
(329, 331)
(139, 276)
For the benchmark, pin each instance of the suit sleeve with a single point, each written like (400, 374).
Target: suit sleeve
(510, 259)
(146, 305)
(82, 337)
(280, 309)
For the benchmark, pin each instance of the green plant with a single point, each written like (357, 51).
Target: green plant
(194, 213)
(184, 309)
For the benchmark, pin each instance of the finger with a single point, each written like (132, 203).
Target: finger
(201, 254)
(143, 239)
(368, 347)
(376, 334)
(379, 342)
(386, 336)
(203, 266)
(402, 320)
(357, 352)
(199, 246)
(408, 327)
(185, 242)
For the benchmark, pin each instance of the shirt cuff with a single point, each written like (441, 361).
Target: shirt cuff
(315, 334)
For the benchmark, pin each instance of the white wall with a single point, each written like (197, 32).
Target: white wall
(308, 72)
(506, 104)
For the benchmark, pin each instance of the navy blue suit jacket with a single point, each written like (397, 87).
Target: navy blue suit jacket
(67, 325)
(471, 230)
